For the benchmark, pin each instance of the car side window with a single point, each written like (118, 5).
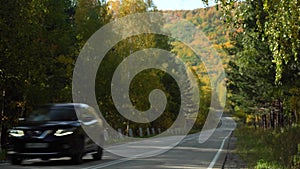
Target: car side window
(85, 115)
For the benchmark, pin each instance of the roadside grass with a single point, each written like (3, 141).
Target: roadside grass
(269, 149)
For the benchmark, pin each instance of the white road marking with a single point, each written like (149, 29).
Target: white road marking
(213, 162)
(211, 165)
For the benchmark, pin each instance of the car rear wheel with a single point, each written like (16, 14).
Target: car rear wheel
(15, 160)
(98, 154)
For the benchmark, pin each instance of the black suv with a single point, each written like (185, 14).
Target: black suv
(57, 130)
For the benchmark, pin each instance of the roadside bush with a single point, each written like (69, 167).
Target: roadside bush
(268, 149)
(261, 164)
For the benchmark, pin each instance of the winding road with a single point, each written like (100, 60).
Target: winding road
(189, 154)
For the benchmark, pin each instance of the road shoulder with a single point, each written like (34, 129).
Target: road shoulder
(232, 159)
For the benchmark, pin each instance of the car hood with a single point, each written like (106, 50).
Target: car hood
(27, 125)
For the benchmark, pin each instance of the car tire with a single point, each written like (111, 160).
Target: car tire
(15, 160)
(77, 157)
(98, 154)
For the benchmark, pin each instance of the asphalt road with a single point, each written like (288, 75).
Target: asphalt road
(189, 153)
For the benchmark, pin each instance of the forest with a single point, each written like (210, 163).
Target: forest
(258, 42)
(40, 42)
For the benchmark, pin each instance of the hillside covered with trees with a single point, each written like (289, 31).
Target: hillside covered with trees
(40, 42)
(258, 42)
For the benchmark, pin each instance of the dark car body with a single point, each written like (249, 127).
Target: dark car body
(56, 130)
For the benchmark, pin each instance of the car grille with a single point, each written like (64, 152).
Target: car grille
(38, 133)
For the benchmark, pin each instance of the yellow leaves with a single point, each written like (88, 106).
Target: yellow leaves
(227, 44)
(250, 118)
(64, 59)
(114, 7)
(182, 50)
(68, 62)
(294, 100)
(20, 104)
(120, 8)
(217, 46)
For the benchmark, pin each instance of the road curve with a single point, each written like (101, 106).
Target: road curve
(189, 153)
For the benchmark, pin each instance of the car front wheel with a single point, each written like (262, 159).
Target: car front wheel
(77, 157)
(98, 154)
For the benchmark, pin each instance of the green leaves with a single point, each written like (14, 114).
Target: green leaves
(34, 35)
(282, 31)
(278, 24)
(266, 49)
(90, 15)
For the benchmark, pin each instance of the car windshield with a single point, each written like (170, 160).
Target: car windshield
(53, 114)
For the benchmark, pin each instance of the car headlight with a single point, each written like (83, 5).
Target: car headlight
(64, 132)
(16, 133)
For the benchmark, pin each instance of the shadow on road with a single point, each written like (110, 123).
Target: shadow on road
(60, 162)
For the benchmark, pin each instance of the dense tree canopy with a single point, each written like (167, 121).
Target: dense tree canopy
(263, 75)
(40, 41)
(278, 25)
(265, 49)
